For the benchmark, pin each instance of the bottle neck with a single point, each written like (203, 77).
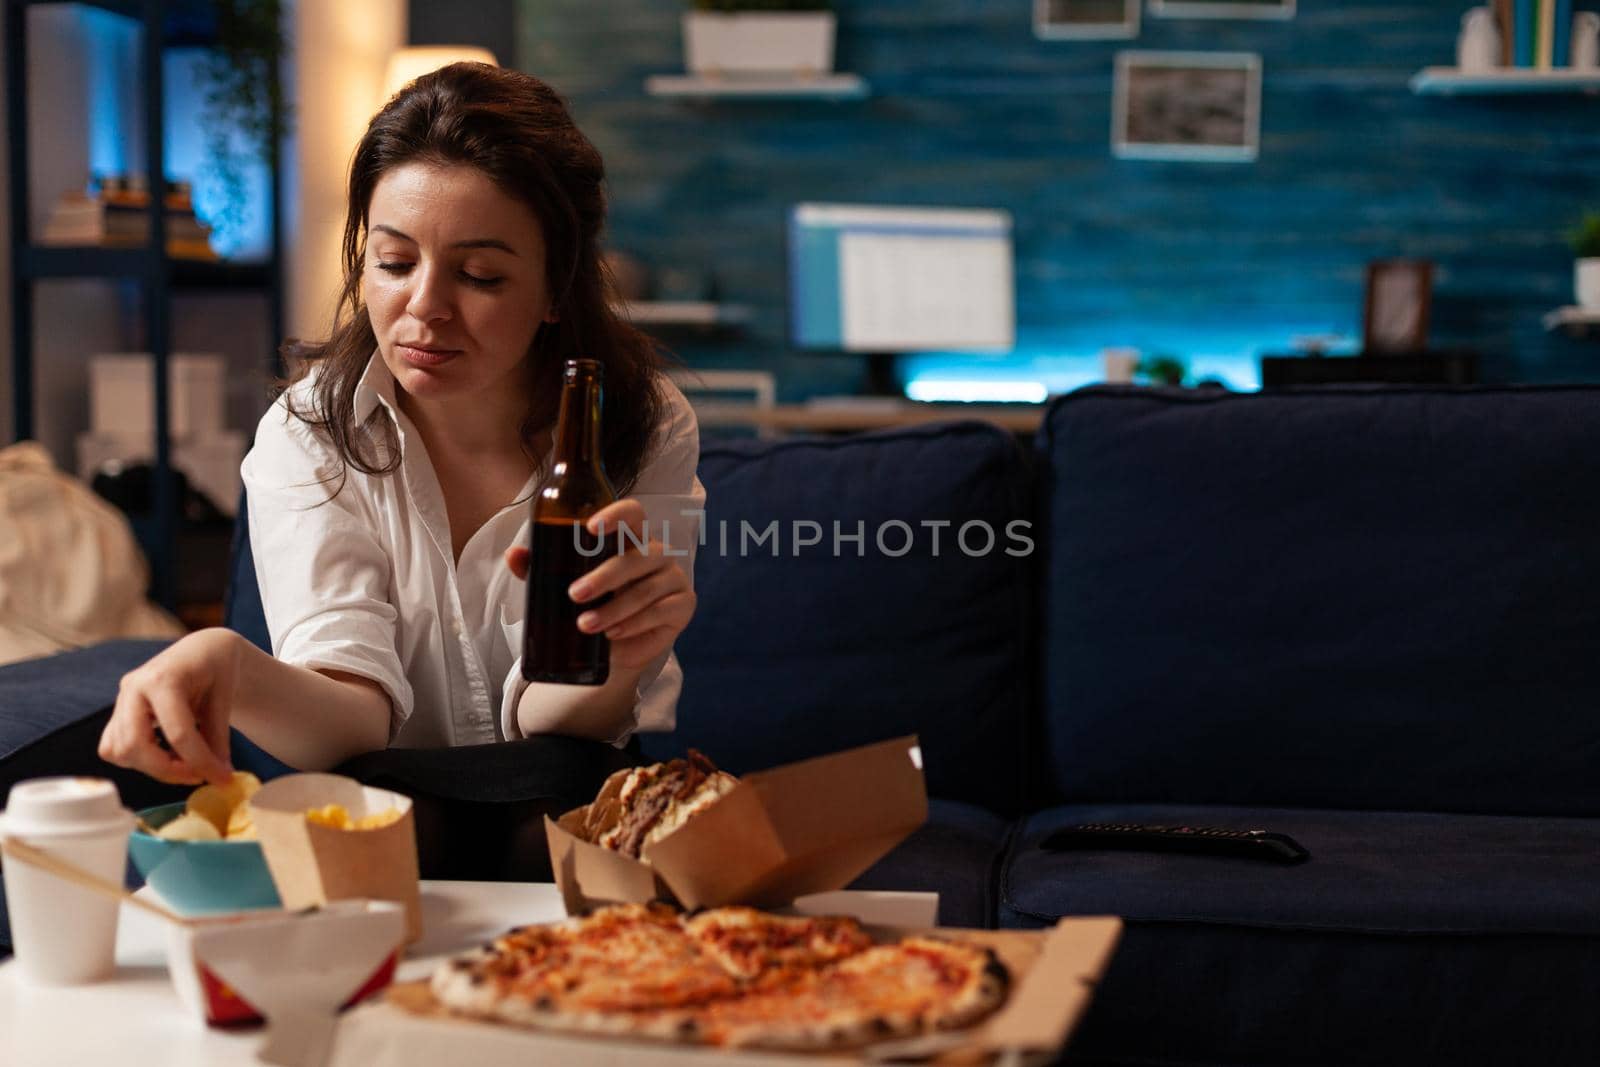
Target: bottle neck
(577, 443)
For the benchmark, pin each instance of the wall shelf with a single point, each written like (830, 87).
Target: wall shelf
(685, 313)
(1578, 320)
(750, 87)
(40, 262)
(1450, 81)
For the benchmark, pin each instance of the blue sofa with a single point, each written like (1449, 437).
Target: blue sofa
(1366, 618)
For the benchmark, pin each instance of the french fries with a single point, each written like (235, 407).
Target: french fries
(335, 817)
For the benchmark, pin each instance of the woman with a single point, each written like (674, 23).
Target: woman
(389, 487)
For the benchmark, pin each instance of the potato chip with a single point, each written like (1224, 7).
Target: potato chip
(217, 803)
(189, 827)
(239, 822)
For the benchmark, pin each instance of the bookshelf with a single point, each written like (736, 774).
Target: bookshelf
(1575, 320)
(160, 277)
(751, 87)
(685, 313)
(1451, 81)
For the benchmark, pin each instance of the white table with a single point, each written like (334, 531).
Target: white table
(135, 1018)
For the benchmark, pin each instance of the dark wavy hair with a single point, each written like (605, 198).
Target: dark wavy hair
(516, 130)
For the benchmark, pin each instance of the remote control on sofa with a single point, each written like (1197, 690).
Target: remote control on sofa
(1250, 844)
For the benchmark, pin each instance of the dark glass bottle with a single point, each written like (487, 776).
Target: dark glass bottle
(560, 549)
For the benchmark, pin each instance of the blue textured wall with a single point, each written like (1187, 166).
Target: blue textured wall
(1211, 261)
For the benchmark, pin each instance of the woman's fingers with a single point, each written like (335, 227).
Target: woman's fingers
(671, 612)
(216, 711)
(626, 512)
(517, 560)
(178, 723)
(632, 599)
(618, 571)
(129, 740)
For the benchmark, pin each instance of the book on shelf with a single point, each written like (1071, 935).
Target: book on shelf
(1524, 31)
(1561, 46)
(121, 219)
(1505, 22)
(1544, 47)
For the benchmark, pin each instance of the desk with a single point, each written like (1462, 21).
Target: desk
(848, 418)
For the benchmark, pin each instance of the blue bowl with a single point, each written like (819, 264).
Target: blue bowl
(201, 877)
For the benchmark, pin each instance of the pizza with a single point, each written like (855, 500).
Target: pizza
(750, 944)
(639, 806)
(734, 977)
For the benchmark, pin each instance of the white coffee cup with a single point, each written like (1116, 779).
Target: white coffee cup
(64, 934)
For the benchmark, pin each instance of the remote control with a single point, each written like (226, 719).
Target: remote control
(1249, 844)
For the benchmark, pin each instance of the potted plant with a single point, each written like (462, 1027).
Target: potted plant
(1586, 273)
(759, 37)
(246, 114)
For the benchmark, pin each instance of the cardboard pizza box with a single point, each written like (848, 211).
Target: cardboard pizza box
(806, 827)
(1054, 973)
(312, 864)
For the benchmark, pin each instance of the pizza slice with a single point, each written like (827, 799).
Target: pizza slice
(749, 943)
(894, 990)
(623, 969)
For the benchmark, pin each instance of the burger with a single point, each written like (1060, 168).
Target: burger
(639, 806)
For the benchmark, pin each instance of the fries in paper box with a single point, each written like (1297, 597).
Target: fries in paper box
(808, 827)
(327, 838)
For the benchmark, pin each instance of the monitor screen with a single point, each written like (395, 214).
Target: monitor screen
(900, 279)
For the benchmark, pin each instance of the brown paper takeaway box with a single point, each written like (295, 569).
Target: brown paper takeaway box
(312, 864)
(807, 827)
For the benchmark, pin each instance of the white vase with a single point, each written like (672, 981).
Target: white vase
(797, 43)
(1586, 276)
(1585, 51)
(1478, 46)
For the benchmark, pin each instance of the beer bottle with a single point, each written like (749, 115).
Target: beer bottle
(560, 549)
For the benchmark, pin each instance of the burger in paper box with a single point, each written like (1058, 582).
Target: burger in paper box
(685, 832)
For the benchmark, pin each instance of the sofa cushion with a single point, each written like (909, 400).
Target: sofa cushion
(1382, 599)
(956, 854)
(1369, 872)
(241, 604)
(1406, 938)
(807, 651)
(1200, 995)
(41, 696)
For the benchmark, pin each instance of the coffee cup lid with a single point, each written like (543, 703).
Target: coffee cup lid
(64, 805)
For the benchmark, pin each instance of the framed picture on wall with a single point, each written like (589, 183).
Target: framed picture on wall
(1399, 297)
(1222, 9)
(1082, 20)
(1203, 106)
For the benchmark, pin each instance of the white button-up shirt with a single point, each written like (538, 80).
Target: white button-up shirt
(365, 581)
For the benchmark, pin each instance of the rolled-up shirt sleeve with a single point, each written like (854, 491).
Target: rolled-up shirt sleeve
(323, 575)
(674, 504)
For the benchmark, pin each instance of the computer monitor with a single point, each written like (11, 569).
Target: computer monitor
(888, 280)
